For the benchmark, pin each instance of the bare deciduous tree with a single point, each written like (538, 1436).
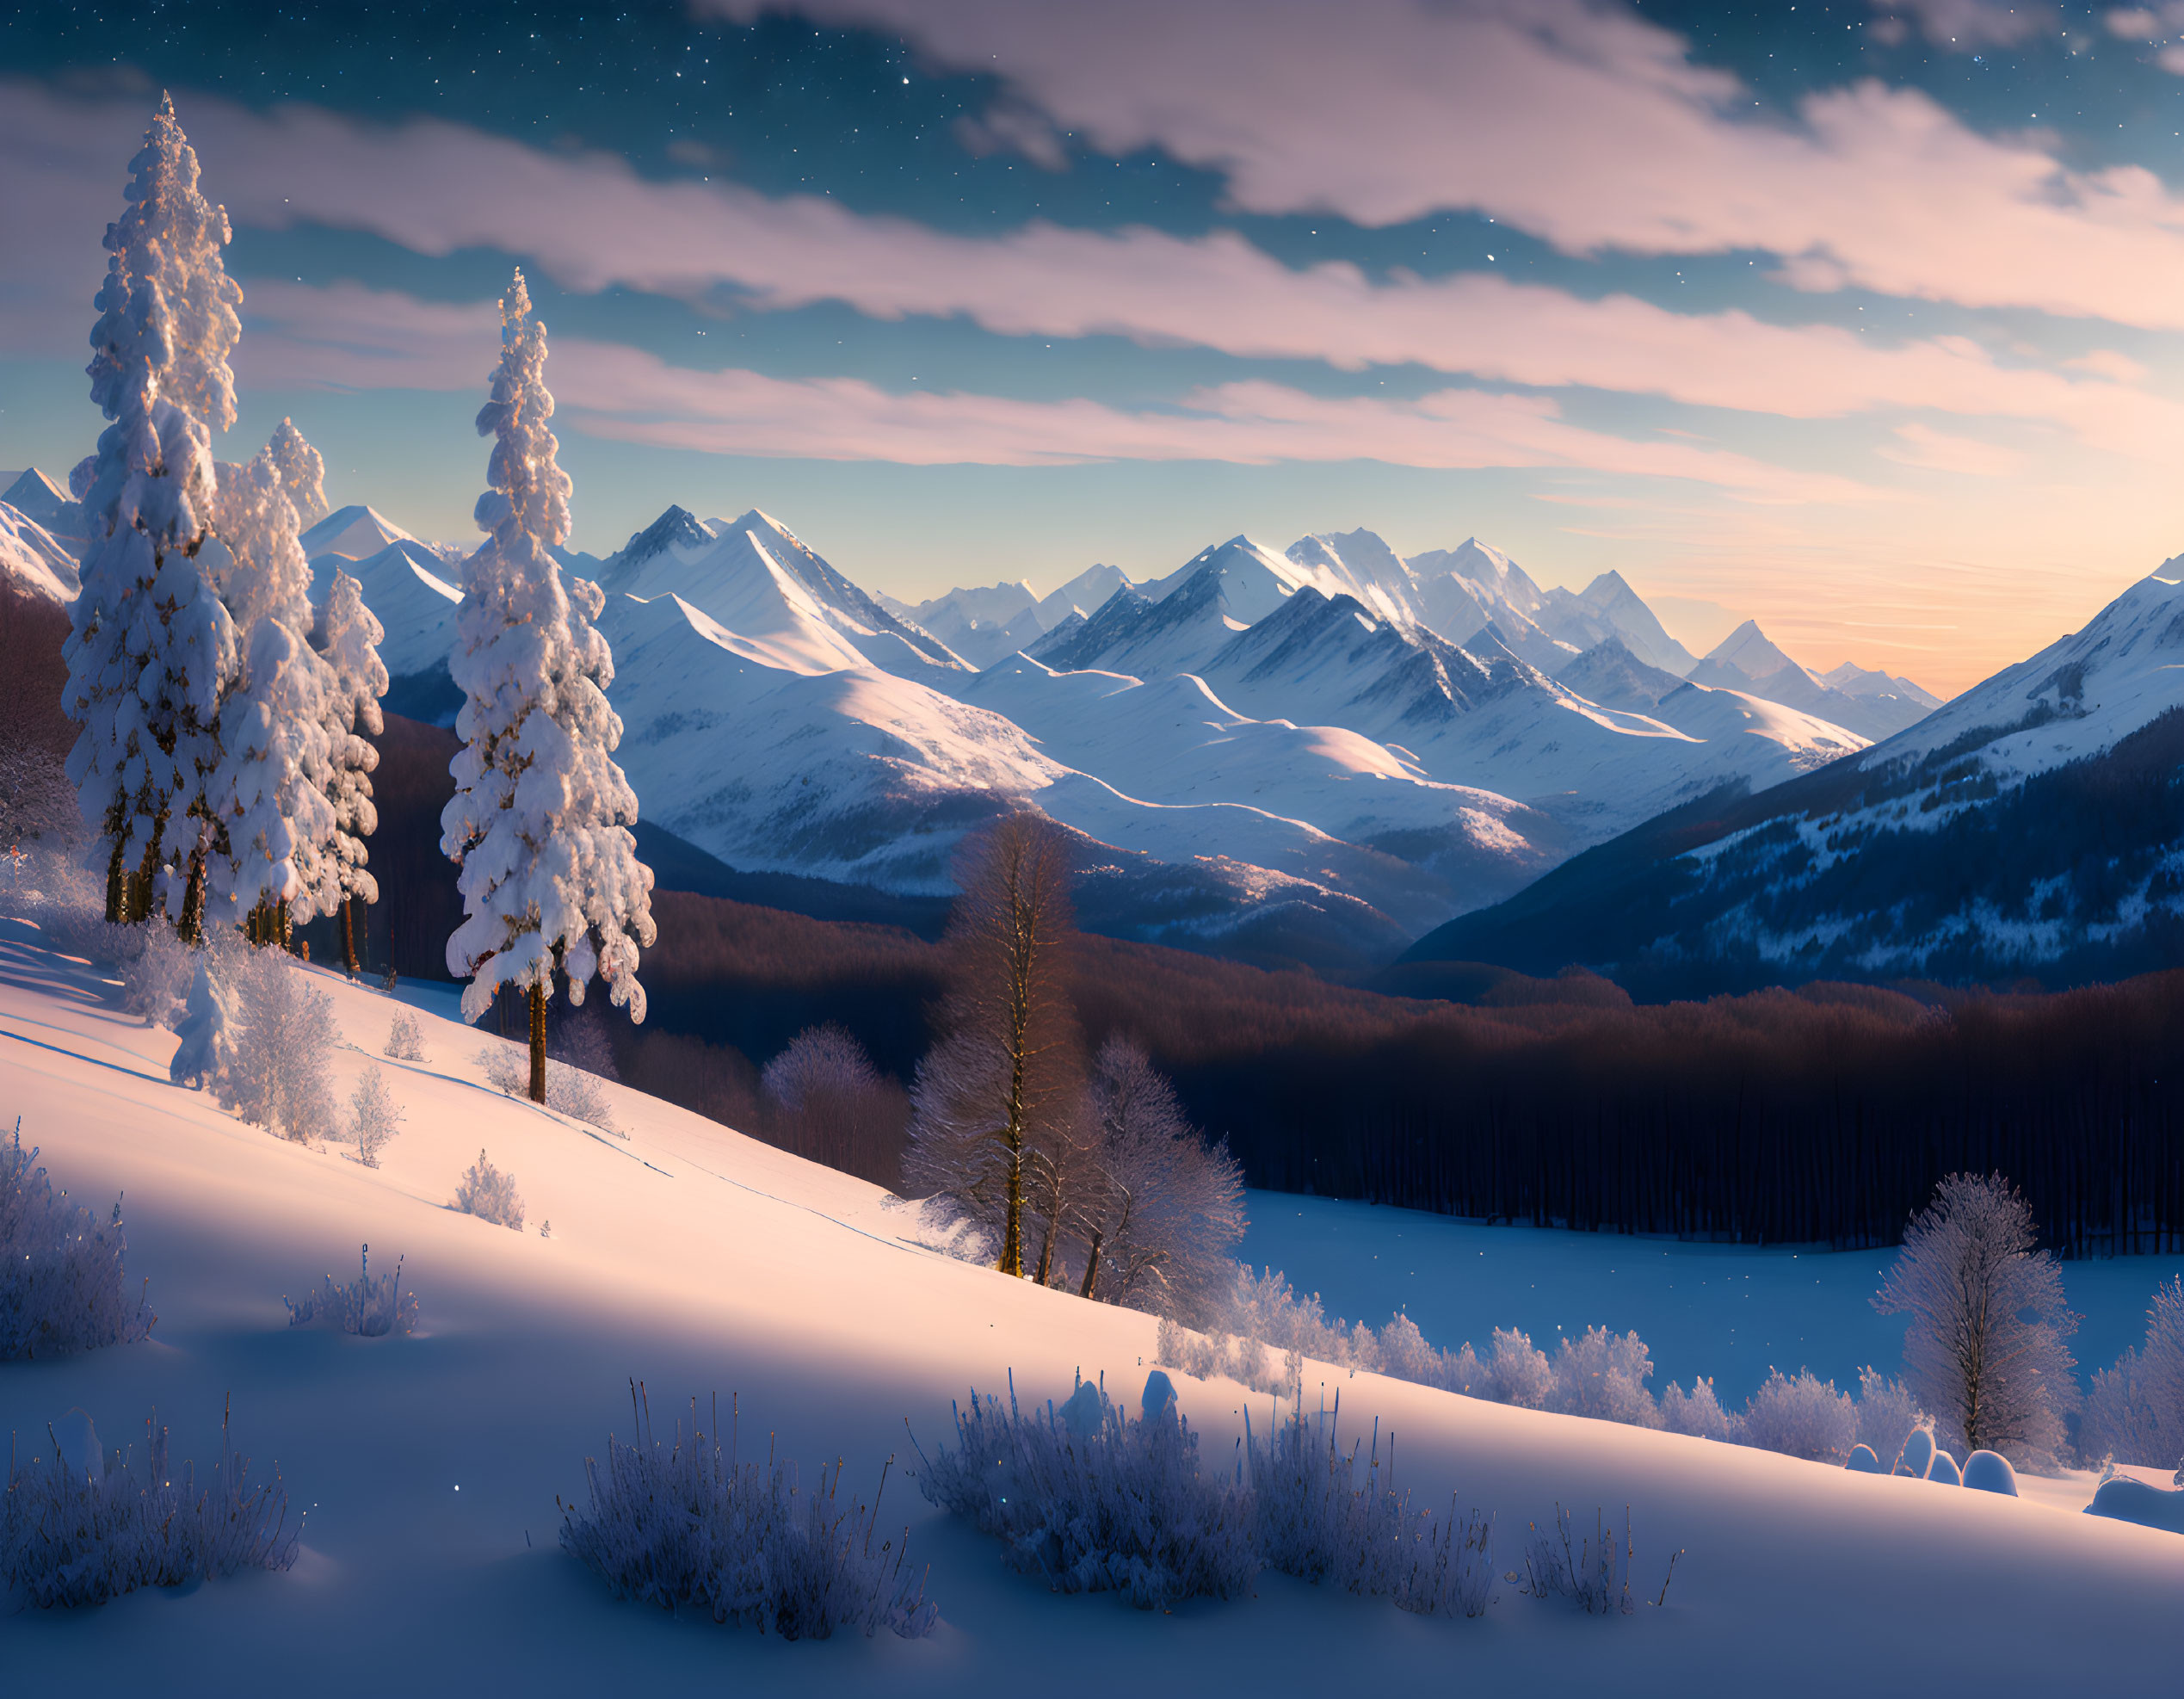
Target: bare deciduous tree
(1007, 1076)
(1986, 1351)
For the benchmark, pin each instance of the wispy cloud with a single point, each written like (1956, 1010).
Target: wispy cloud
(1584, 124)
(349, 336)
(593, 224)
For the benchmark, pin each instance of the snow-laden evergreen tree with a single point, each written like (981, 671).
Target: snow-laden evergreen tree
(270, 794)
(208, 1031)
(539, 821)
(303, 473)
(150, 645)
(350, 638)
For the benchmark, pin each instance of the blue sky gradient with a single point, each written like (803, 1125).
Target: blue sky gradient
(1860, 319)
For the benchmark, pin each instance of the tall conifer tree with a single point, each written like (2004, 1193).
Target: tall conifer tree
(539, 821)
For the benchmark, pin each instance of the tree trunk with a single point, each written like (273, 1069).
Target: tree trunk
(348, 933)
(191, 925)
(1091, 1266)
(116, 882)
(537, 1044)
(1012, 1234)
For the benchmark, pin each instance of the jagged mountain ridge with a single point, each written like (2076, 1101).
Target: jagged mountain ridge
(2034, 825)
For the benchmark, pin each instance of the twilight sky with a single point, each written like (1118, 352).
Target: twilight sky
(1863, 319)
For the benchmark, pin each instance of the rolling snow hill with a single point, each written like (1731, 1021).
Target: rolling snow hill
(32, 561)
(693, 1261)
(2033, 826)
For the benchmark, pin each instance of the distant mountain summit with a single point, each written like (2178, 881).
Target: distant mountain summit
(2034, 825)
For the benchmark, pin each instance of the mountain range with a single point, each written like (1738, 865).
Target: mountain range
(1320, 753)
(2035, 825)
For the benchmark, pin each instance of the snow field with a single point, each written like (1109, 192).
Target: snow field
(699, 1261)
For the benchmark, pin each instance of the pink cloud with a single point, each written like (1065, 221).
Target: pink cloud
(349, 336)
(1583, 124)
(593, 224)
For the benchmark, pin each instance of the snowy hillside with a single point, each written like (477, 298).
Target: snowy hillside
(32, 561)
(2034, 825)
(697, 1262)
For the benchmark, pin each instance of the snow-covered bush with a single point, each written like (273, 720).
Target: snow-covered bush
(490, 1195)
(156, 976)
(1594, 1570)
(1603, 1375)
(1887, 1414)
(2135, 1412)
(374, 1116)
(1319, 1520)
(1095, 1501)
(1804, 1416)
(80, 1526)
(207, 1032)
(1698, 1412)
(278, 1078)
(685, 1525)
(1514, 1372)
(63, 1285)
(371, 1304)
(404, 1041)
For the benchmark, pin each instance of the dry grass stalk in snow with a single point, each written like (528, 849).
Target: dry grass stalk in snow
(1094, 1501)
(372, 1306)
(63, 1285)
(81, 1526)
(686, 1525)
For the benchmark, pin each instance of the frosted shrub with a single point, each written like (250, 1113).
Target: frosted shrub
(570, 1091)
(81, 1526)
(278, 1078)
(405, 1042)
(2135, 1412)
(1802, 1417)
(1517, 1373)
(1319, 1519)
(685, 1525)
(1887, 1415)
(1094, 1501)
(490, 1195)
(1604, 1375)
(156, 975)
(374, 1116)
(1264, 1306)
(371, 1305)
(1698, 1412)
(1595, 1571)
(63, 1286)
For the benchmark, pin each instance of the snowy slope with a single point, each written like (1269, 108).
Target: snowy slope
(402, 586)
(40, 498)
(32, 561)
(699, 1261)
(854, 773)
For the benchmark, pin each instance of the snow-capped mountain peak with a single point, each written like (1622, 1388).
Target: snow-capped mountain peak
(32, 559)
(36, 497)
(678, 528)
(356, 532)
(1752, 653)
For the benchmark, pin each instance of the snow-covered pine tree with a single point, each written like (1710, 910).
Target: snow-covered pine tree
(538, 823)
(350, 637)
(271, 793)
(149, 644)
(303, 473)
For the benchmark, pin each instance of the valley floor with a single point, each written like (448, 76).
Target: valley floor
(699, 1261)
